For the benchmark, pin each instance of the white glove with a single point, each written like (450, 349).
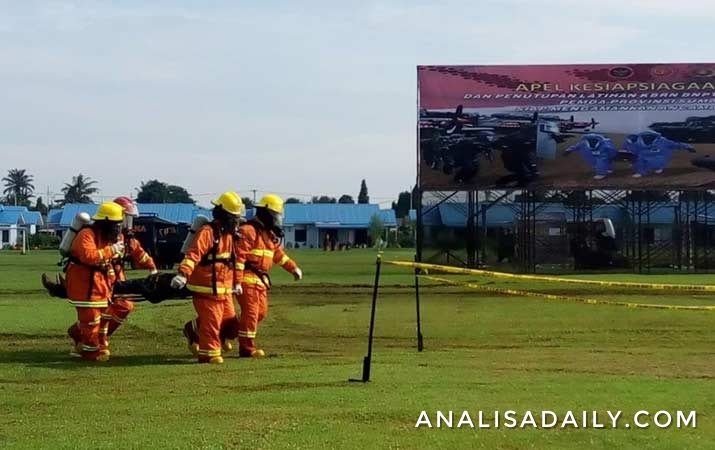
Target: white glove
(297, 274)
(153, 272)
(117, 248)
(238, 290)
(178, 282)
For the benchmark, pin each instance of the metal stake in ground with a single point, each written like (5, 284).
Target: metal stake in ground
(420, 343)
(367, 361)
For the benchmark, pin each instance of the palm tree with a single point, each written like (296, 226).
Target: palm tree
(79, 190)
(18, 186)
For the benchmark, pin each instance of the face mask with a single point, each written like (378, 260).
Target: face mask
(115, 231)
(232, 223)
(110, 230)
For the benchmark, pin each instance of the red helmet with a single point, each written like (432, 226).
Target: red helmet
(129, 206)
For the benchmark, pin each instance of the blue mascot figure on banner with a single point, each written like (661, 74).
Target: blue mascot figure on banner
(598, 151)
(651, 151)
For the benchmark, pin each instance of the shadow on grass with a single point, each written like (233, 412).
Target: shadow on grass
(59, 360)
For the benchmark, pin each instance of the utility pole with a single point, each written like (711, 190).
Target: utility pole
(254, 196)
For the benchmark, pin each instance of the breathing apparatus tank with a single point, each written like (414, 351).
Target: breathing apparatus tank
(80, 221)
(199, 221)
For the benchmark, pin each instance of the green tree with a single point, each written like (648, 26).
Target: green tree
(362, 196)
(346, 199)
(323, 199)
(293, 200)
(155, 191)
(375, 229)
(247, 202)
(40, 206)
(402, 207)
(79, 190)
(18, 187)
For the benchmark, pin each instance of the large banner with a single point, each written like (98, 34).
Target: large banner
(594, 126)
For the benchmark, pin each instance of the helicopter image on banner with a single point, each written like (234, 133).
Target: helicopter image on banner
(453, 142)
(692, 130)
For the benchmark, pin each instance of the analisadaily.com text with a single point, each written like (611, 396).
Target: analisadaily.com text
(551, 419)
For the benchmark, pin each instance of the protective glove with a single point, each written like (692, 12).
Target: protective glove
(117, 248)
(178, 282)
(238, 290)
(153, 272)
(297, 274)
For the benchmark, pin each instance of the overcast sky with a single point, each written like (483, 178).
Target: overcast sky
(295, 97)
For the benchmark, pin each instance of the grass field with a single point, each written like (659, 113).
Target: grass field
(482, 353)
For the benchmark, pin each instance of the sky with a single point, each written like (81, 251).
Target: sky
(297, 98)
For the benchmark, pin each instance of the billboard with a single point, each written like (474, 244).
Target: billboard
(591, 126)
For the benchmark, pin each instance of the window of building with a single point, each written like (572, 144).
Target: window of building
(5, 236)
(301, 235)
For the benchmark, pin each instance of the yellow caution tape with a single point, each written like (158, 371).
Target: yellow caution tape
(489, 273)
(589, 301)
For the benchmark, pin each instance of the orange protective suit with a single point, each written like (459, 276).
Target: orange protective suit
(210, 266)
(119, 309)
(258, 250)
(90, 277)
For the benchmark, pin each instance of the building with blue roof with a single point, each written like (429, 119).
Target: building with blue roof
(176, 213)
(13, 219)
(454, 215)
(307, 225)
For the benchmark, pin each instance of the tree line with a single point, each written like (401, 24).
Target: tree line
(19, 189)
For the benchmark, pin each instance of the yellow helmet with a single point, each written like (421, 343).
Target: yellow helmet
(230, 202)
(271, 202)
(109, 211)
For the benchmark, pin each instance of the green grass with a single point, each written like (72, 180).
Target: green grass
(483, 352)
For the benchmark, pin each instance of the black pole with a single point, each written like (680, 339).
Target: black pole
(367, 361)
(420, 341)
(650, 227)
(471, 250)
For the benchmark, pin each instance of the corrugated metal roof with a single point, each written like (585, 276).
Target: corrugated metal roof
(455, 214)
(32, 217)
(345, 214)
(657, 215)
(19, 215)
(430, 216)
(173, 212)
(11, 218)
(388, 218)
(350, 215)
(54, 216)
(71, 210)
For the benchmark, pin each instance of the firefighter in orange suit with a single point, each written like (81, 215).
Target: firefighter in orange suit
(208, 270)
(259, 248)
(91, 275)
(118, 309)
